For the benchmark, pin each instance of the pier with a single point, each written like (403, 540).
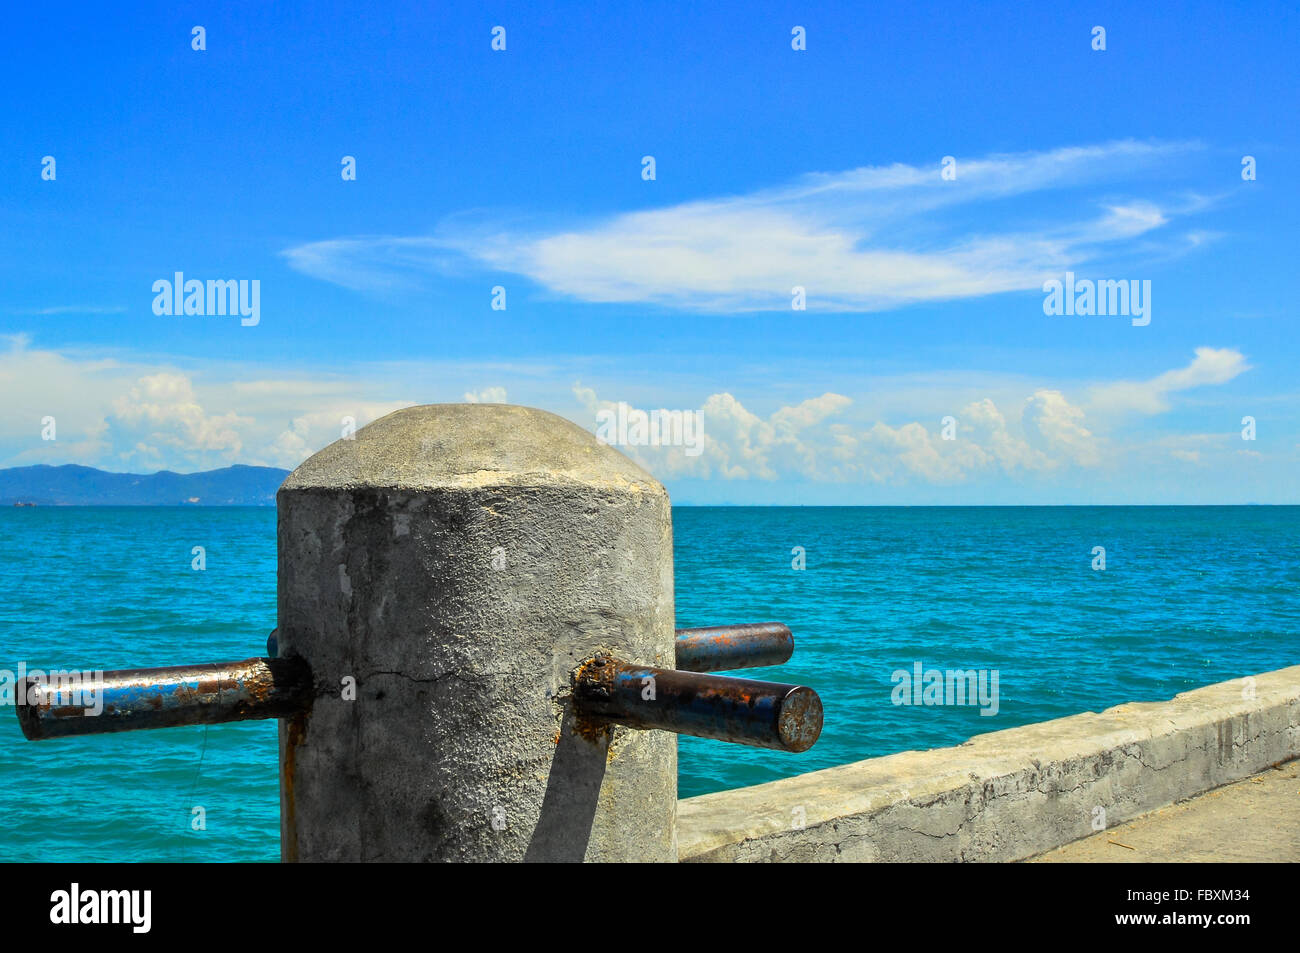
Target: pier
(476, 659)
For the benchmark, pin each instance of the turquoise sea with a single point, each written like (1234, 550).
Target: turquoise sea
(1189, 596)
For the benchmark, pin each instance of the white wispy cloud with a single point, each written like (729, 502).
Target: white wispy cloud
(864, 239)
(1209, 366)
(74, 309)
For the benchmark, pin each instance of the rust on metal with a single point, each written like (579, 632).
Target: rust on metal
(133, 699)
(741, 710)
(293, 731)
(586, 726)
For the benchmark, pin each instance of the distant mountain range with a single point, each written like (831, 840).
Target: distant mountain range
(73, 485)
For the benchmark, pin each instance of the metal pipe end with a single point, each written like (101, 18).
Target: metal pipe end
(28, 716)
(800, 723)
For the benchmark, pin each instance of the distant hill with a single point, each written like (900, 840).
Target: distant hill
(73, 485)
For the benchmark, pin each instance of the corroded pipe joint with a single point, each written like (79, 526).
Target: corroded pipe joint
(739, 710)
(133, 699)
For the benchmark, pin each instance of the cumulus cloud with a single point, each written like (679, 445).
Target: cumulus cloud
(864, 239)
(1053, 423)
(807, 441)
(488, 395)
(133, 416)
(161, 410)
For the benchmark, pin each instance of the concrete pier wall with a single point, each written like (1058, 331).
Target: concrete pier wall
(1006, 795)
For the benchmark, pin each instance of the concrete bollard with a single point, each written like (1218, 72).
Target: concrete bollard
(443, 572)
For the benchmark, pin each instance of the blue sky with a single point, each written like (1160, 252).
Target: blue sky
(774, 167)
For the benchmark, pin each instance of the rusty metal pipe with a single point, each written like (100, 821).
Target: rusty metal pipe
(740, 710)
(720, 648)
(133, 699)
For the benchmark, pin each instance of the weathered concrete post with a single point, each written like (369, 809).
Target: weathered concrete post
(443, 572)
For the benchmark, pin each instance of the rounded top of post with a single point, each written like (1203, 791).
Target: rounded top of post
(466, 445)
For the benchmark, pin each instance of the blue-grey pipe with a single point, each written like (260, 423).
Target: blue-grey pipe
(721, 648)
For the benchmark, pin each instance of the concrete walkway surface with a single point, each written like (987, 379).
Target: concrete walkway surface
(1253, 820)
